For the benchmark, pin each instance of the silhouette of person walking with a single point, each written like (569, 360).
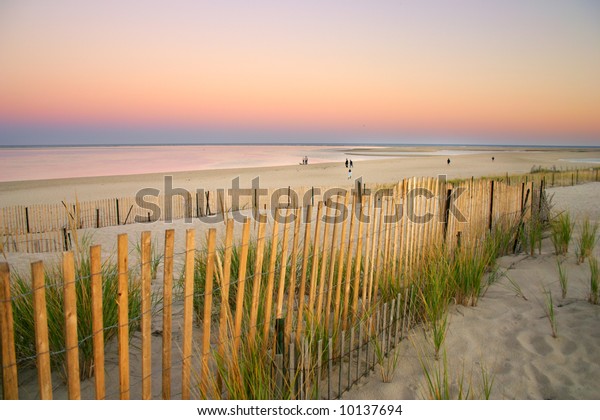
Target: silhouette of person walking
(346, 163)
(351, 164)
(492, 158)
(448, 161)
(349, 173)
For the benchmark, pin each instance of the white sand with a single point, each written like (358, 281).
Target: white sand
(511, 337)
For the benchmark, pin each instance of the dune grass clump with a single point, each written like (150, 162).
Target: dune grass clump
(594, 290)
(550, 314)
(587, 240)
(434, 296)
(562, 278)
(387, 362)
(531, 235)
(442, 384)
(561, 233)
(21, 291)
(467, 270)
(243, 374)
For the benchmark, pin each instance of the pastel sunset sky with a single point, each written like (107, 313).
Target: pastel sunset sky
(385, 71)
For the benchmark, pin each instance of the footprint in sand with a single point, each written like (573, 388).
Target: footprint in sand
(534, 343)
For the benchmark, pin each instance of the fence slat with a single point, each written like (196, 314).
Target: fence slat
(122, 301)
(338, 285)
(302, 290)
(256, 284)
(357, 267)
(9, 360)
(289, 317)
(324, 265)
(239, 298)
(284, 258)
(146, 317)
(71, 340)
(97, 320)
(188, 314)
(207, 317)
(271, 281)
(42, 346)
(315, 265)
(225, 312)
(167, 314)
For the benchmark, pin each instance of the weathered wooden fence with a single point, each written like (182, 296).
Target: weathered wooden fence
(307, 294)
(45, 227)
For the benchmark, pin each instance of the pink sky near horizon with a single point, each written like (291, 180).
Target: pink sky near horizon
(528, 67)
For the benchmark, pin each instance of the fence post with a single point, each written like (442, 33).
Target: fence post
(188, 314)
(122, 302)
(42, 346)
(27, 219)
(167, 313)
(71, 340)
(118, 215)
(224, 316)
(256, 285)
(283, 261)
(239, 298)
(206, 319)
(97, 320)
(279, 355)
(491, 218)
(271, 281)
(10, 385)
(146, 317)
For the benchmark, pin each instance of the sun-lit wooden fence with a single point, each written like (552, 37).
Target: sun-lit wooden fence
(307, 290)
(45, 227)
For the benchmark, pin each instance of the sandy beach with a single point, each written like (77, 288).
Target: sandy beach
(508, 334)
(505, 334)
(402, 163)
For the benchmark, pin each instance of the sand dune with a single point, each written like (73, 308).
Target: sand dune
(511, 337)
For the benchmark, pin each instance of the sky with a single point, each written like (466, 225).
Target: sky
(347, 71)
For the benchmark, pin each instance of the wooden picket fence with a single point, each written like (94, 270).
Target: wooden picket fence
(313, 303)
(45, 227)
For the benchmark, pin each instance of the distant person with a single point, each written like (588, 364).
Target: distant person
(448, 161)
(306, 160)
(351, 164)
(346, 162)
(492, 158)
(349, 173)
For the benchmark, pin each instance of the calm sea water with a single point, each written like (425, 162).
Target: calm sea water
(31, 163)
(17, 164)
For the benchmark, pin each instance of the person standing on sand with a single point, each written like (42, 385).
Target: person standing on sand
(346, 162)
(492, 158)
(351, 164)
(349, 173)
(448, 161)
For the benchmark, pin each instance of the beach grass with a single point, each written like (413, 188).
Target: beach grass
(561, 233)
(587, 240)
(515, 287)
(562, 278)
(550, 314)
(387, 362)
(24, 318)
(442, 383)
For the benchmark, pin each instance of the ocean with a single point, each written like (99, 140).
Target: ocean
(33, 163)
